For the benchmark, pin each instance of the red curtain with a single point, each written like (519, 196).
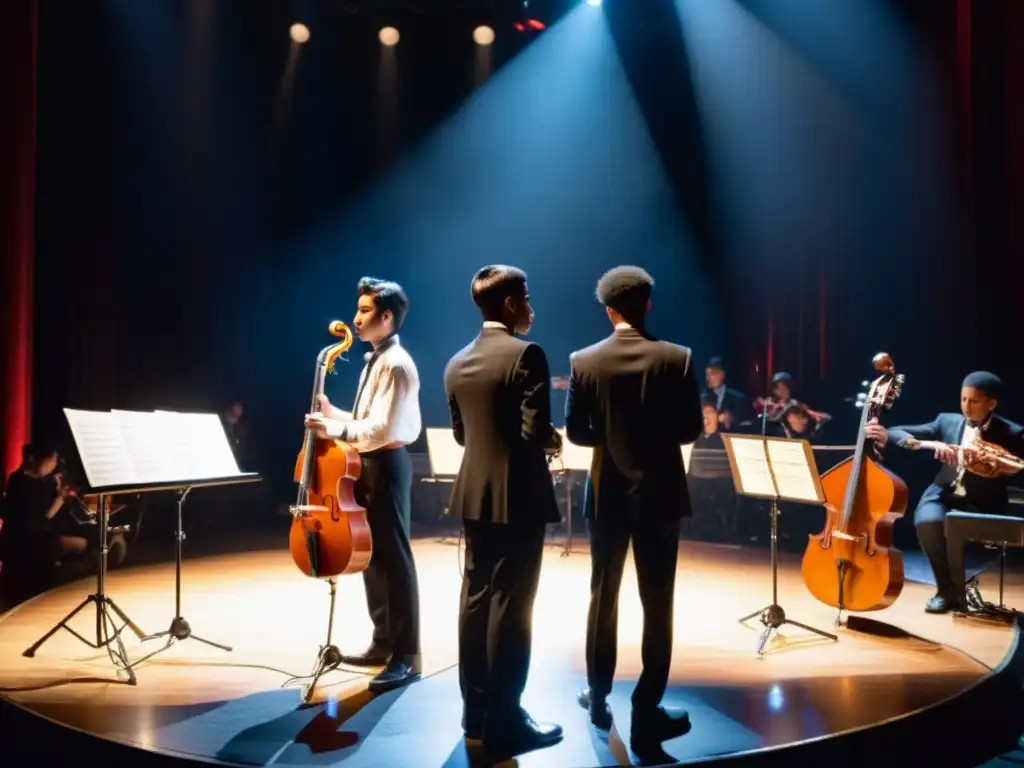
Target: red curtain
(18, 48)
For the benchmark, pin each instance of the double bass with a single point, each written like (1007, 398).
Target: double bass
(851, 565)
(329, 535)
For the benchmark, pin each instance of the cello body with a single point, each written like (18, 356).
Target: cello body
(852, 565)
(329, 534)
(875, 577)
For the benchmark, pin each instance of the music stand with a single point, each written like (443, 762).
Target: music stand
(130, 452)
(574, 458)
(774, 468)
(445, 456)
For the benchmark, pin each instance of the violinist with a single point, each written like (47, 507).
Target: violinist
(950, 436)
(384, 420)
(35, 494)
(775, 407)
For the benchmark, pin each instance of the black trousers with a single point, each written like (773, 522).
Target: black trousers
(930, 523)
(655, 552)
(392, 587)
(496, 619)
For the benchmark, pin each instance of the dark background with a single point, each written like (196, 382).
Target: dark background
(809, 183)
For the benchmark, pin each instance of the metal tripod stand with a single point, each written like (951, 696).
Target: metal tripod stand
(107, 631)
(179, 629)
(774, 616)
(329, 657)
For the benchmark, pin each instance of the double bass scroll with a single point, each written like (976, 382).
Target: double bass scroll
(852, 565)
(329, 534)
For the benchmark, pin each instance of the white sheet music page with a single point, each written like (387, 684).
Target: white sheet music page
(198, 446)
(444, 453)
(148, 448)
(101, 447)
(574, 457)
(752, 465)
(793, 473)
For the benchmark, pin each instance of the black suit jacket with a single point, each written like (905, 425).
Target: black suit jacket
(635, 400)
(499, 397)
(733, 401)
(986, 494)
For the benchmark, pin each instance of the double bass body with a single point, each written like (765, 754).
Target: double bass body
(873, 578)
(852, 564)
(329, 535)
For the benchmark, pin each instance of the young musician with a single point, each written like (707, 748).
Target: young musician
(384, 420)
(499, 397)
(954, 487)
(731, 404)
(635, 400)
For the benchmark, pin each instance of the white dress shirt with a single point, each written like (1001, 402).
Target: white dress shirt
(970, 435)
(387, 406)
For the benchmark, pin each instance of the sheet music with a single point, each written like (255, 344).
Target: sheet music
(445, 454)
(793, 473)
(574, 457)
(752, 465)
(148, 449)
(197, 445)
(687, 451)
(101, 447)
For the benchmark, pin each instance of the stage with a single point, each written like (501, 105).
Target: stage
(198, 702)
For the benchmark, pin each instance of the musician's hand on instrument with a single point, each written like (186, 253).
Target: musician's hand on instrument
(912, 444)
(324, 427)
(875, 431)
(322, 404)
(947, 454)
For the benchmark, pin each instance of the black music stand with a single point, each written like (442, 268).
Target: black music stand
(777, 469)
(129, 452)
(445, 456)
(180, 628)
(107, 631)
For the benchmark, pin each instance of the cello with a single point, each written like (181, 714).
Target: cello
(329, 535)
(852, 565)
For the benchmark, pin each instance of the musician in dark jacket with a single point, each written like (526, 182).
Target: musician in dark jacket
(733, 409)
(499, 397)
(635, 400)
(954, 487)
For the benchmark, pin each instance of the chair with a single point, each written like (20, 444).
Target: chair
(997, 532)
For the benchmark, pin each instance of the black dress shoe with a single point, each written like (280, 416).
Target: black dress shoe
(597, 706)
(505, 739)
(943, 604)
(374, 656)
(395, 675)
(650, 727)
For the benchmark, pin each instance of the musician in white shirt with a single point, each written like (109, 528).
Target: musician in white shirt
(384, 420)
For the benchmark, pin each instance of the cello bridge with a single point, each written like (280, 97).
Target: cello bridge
(302, 510)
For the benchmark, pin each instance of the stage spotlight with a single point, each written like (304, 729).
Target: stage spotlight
(594, 3)
(299, 33)
(389, 36)
(483, 35)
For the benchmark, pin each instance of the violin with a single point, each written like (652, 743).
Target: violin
(329, 534)
(852, 565)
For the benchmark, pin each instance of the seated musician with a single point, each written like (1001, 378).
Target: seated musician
(775, 407)
(796, 423)
(954, 487)
(731, 405)
(711, 486)
(34, 497)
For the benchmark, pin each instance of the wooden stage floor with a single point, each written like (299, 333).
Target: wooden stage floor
(197, 701)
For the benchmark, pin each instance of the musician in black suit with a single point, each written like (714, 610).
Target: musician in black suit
(499, 397)
(954, 487)
(733, 408)
(635, 400)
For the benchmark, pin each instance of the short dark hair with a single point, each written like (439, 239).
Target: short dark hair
(495, 283)
(626, 290)
(387, 295)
